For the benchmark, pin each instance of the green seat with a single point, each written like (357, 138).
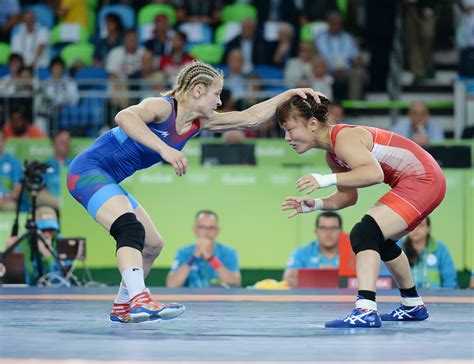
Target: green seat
(91, 19)
(92, 4)
(148, 13)
(342, 6)
(208, 53)
(237, 12)
(4, 53)
(75, 33)
(80, 51)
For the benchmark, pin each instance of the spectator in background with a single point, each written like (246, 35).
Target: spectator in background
(320, 253)
(62, 147)
(336, 113)
(284, 46)
(321, 80)
(59, 89)
(122, 63)
(9, 17)
(343, 59)
(151, 78)
(9, 83)
(171, 63)
(161, 43)
(19, 127)
(207, 262)
(419, 128)
(199, 11)
(31, 42)
(420, 22)
(124, 60)
(73, 11)
(300, 68)
(113, 38)
(25, 95)
(255, 49)
(10, 175)
(235, 78)
(430, 261)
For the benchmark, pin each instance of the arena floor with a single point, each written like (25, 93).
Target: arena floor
(229, 326)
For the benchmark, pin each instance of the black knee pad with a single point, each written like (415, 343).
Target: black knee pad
(366, 235)
(128, 231)
(389, 250)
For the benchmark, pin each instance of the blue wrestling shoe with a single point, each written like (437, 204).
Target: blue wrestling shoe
(359, 317)
(406, 313)
(144, 308)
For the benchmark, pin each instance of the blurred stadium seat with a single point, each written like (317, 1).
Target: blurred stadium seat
(80, 51)
(4, 53)
(238, 12)
(148, 13)
(209, 53)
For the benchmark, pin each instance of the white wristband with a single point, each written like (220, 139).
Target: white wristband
(318, 205)
(325, 180)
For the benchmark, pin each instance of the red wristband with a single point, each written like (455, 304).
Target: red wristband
(215, 262)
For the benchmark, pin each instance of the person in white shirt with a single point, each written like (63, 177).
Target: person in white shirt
(32, 42)
(124, 61)
(300, 67)
(60, 90)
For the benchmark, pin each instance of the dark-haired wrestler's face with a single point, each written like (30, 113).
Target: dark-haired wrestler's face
(298, 133)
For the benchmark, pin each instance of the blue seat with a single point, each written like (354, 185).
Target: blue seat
(88, 115)
(44, 15)
(124, 12)
(43, 73)
(269, 72)
(92, 73)
(4, 70)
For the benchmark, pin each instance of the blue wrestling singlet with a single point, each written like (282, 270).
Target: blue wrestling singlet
(94, 175)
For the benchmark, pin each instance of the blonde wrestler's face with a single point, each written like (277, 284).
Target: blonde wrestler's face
(208, 99)
(299, 133)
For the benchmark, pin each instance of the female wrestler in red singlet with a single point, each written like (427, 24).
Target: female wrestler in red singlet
(362, 156)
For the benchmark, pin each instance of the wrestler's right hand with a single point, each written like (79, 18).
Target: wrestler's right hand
(176, 158)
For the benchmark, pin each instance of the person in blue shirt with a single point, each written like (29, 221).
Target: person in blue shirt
(62, 146)
(320, 253)
(419, 127)
(153, 131)
(206, 262)
(430, 262)
(343, 58)
(10, 176)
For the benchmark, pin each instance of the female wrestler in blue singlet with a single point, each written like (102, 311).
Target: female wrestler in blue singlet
(153, 131)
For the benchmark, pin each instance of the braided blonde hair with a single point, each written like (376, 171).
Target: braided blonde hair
(192, 74)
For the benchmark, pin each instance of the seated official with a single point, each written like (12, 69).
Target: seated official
(320, 253)
(206, 262)
(430, 262)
